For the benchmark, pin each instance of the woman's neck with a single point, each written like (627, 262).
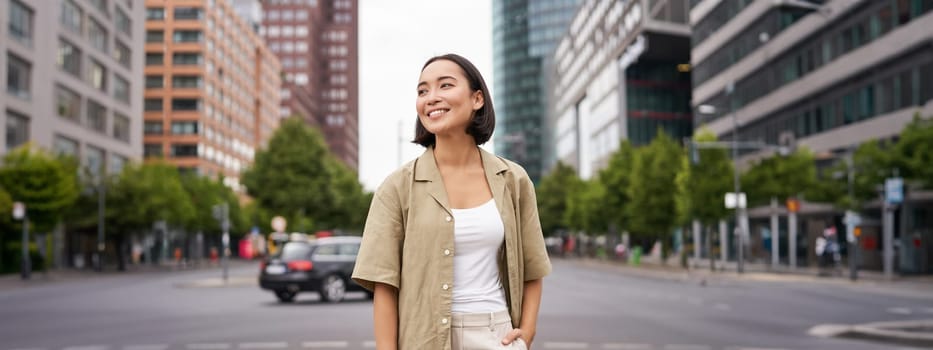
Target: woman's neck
(457, 152)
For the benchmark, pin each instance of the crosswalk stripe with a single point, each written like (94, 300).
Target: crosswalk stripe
(269, 345)
(369, 344)
(325, 344)
(208, 346)
(554, 345)
(88, 347)
(146, 347)
(628, 346)
(686, 347)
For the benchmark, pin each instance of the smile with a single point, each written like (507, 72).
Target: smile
(437, 112)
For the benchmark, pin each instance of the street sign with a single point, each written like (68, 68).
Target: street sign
(731, 200)
(19, 210)
(793, 205)
(278, 224)
(894, 190)
(852, 219)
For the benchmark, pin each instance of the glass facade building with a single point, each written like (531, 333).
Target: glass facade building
(524, 33)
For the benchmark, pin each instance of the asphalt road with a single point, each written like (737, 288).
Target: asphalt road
(585, 307)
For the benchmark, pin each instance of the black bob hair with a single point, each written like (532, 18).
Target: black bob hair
(484, 119)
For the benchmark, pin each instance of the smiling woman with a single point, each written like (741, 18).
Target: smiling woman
(475, 211)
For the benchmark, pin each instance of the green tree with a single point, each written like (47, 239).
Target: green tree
(780, 177)
(652, 208)
(702, 183)
(553, 193)
(145, 193)
(615, 179)
(914, 151)
(205, 193)
(45, 184)
(297, 177)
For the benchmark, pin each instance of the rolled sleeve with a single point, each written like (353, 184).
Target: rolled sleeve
(379, 259)
(534, 251)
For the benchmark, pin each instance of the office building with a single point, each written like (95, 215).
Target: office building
(74, 79)
(621, 72)
(317, 44)
(211, 88)
(525, 32)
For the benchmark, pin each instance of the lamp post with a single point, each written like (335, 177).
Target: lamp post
(101, 209)
(19, 213)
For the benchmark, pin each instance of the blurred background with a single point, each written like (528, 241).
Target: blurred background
(710, 174)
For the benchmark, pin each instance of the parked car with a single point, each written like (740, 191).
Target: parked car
(321, 265)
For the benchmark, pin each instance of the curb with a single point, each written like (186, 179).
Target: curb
(233, 281)
(889, 332)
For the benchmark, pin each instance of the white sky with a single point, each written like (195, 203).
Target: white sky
(396, 38)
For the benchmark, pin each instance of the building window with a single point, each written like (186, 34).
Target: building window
(69, 58)
(121, 127)
(17, 130)
(96, 116)
(20, 22)
(93, 161)
(18, 75)
(71, 16)
(155, 36)
(97, 76)
(186, 13)
(124, 24)
(65, 146)
(152, 128)
(186, 104)
(68, 104)
(100, 5)
(152, 104)
(155, 59)
(155, 14)
(117, 162)
(97, 33)
(155, 82)
(187, 36)
(122, 54)
(186, 58)
(184, 150)
(152, 150)
(185, 128)
(121, 89)
(186, 81)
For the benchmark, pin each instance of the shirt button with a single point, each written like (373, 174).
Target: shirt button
(446, 251)
(447, 218)
(445, 286)
(444, 320)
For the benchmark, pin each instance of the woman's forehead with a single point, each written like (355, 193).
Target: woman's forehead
(439, 69)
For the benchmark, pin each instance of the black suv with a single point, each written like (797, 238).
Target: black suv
(323, 265)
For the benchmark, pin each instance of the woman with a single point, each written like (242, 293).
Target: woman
(452, 249)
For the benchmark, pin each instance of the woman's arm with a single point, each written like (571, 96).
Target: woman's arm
(531, 301)
(385, 316)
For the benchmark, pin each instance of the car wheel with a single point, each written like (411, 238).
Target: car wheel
(333, 289)
(285, 296)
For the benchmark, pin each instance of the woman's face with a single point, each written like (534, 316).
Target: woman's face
(445, 102)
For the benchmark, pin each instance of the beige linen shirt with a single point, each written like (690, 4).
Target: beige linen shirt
(408, 243)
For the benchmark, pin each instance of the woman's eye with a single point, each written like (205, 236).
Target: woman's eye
(446, 85)
(422, 92)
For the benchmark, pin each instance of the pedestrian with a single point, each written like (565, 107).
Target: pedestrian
(452, 248)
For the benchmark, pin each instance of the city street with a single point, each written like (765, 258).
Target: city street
(586, 306)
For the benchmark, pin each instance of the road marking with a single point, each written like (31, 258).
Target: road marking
(686, 347)
(695, 301)
(369, 344)
(628, 346)
(928, 310)
(29, 349)
(270, 345)
(88, 347)
(753, 348)
(900, 310)
(554, 345)
(723, 307)
(146, 347)
(208, 346)
(325, 344)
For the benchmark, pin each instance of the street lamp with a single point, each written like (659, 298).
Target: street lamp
(739, 207)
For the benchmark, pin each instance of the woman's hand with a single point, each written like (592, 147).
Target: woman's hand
(516, 333)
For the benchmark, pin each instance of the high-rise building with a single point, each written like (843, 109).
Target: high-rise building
(212, 88)
(827, 75)
(74, 79)
(525, 32)
(620, 73)
(317, 44)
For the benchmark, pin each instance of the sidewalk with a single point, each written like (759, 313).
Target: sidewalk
(40, 278)
(914, 286)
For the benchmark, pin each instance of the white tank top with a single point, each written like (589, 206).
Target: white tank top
(478, 234)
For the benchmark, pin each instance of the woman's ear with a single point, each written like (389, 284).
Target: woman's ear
(478, 101)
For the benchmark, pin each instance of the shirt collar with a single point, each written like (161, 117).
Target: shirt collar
(426, 166)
